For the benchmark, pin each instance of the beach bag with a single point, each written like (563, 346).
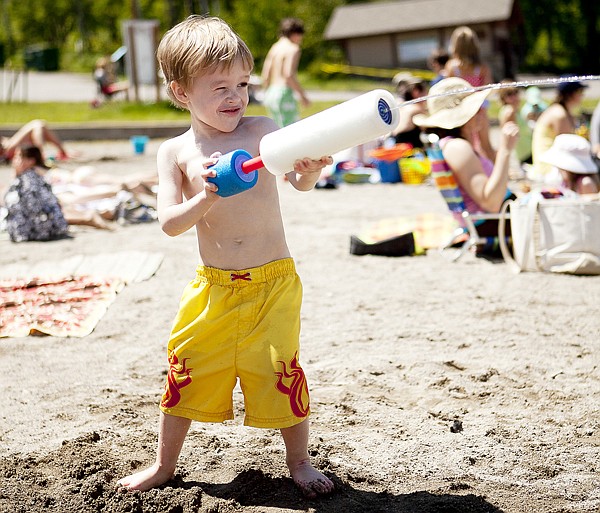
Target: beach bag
(34, 212)
(560, 235)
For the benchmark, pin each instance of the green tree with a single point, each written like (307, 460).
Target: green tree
(562, 36)
(559, 36)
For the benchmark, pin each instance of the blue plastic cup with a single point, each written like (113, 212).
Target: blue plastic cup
(139, 143)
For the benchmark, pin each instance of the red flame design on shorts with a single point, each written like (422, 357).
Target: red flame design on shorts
(297, 389)
(177, 378)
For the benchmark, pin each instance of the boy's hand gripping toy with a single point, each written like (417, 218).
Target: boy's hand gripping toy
(357, 121)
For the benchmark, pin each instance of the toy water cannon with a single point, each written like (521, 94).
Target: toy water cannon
(351, 123)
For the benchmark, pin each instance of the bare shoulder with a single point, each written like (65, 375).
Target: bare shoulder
(175, 144)
(451, 66)
(461, 158)
(552, 113)
(295, 49)
(457, 149)
(258, 126)
(171, 153)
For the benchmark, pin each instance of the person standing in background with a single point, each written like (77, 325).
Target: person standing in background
(534, 105)
(409, 87)
(510, 98)
(465, 62)
(280, 74)
(437, 62)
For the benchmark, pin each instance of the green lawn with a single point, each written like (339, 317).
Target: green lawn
(16, 114)
(121, 111)
(81, 112)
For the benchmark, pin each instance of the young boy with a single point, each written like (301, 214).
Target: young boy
(240, 316)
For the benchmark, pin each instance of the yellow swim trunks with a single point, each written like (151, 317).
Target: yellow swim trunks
(238, 324)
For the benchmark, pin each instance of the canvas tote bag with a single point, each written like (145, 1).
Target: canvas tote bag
(560, 235)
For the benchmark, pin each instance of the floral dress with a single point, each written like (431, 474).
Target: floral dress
(34, 212)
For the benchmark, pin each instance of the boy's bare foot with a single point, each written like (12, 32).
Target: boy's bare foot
(146, 479)
(311, 482)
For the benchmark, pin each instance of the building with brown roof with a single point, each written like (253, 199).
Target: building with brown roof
(402, 34)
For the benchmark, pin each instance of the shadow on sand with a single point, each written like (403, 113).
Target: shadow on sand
(254, 488)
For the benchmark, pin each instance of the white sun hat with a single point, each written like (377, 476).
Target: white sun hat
(572, 153)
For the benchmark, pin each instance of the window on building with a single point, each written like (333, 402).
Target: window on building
(418, 49)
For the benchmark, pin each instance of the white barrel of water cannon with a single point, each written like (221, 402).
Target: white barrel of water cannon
(351, 123)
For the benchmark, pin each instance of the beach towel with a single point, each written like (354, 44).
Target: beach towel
(68, 307)
(429, 230)
(69, 297)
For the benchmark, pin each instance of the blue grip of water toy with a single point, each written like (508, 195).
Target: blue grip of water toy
(230, 178)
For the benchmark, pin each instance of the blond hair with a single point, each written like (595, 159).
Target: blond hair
(103, 62)
(505, 92)
(464, 45)
(197, 45)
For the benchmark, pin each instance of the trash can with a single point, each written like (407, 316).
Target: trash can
(1, 55)
(41, 58)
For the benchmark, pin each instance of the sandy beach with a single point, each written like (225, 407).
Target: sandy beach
(435, 386)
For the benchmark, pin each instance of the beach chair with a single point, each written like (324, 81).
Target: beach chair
(466, 236)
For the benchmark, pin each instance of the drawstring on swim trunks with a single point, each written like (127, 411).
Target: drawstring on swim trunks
(245, 277)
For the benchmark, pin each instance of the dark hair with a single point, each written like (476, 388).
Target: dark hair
(405, 92)
(33, 152)
(563, 97)
(439, 56)
(444, 132)
(289, 26)
(566, 90)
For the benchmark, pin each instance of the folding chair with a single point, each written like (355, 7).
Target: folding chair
(445, 182)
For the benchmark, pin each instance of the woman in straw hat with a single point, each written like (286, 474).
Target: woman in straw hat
(455, 119)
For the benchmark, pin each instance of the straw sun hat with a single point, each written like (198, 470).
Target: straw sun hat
(572, 153)
(453, 110)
